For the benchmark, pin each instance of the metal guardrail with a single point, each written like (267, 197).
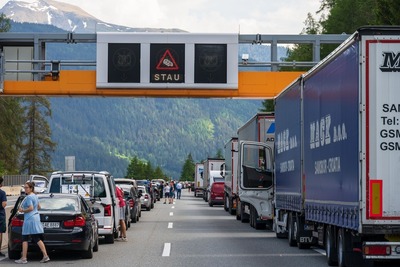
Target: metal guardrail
(11, 180)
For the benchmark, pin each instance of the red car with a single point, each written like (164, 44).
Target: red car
(216, 194)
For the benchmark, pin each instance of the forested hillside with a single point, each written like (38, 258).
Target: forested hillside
(103, 133)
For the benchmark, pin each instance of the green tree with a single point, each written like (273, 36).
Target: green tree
(187, 173)
(220, 154)
(11, 124)
(11, 134)
(36, 151)
(268, 106)
(158, 173)
(387, 12)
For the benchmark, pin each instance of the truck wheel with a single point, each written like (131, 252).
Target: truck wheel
(226, 204)
(244, 218)
(238, 210)
(230, 209)
(252, 217)
(330, 246)
(291, 231)
(344, 248)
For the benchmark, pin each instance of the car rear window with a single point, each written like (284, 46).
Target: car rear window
(59, 204)
(79, 186)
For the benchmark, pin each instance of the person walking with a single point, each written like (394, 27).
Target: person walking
(3, 200)
(166, 193)
(121, 204)
(171, 193)
(32, 227)
(178, 190)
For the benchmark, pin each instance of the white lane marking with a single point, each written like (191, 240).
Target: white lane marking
(320, 251)
(171, 214)
(167, 250)
(173, 207)
(170, 225)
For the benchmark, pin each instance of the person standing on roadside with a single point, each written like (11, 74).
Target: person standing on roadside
(3, 200)
(32, 227)
(166, 192)
(121, 205)
(178, 190)
(171, 193)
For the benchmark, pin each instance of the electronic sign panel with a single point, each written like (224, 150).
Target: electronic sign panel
(166, 60)
(167, 63)
(123, 63)
(210, 63)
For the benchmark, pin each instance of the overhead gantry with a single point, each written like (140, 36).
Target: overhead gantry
(150, 65)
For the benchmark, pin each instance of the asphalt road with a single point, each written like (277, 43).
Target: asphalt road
(190, 233)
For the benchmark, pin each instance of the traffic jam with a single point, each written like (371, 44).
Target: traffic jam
(80, 210)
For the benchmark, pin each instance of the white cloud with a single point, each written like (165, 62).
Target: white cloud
(210, 16)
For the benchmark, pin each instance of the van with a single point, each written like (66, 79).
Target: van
(98, 189)
(216, 194)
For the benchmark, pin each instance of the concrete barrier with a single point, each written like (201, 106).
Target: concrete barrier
(13, 190)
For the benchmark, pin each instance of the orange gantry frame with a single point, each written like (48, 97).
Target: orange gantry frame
(83, 83)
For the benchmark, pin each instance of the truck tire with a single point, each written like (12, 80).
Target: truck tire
(343, 248)
(252, 217)
(226, 202)
(238, 210)
(244, 218)
(330, 246)
(231, 210)
(291, 231)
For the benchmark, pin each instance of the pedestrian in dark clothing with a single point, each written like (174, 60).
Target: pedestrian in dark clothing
(3, 201)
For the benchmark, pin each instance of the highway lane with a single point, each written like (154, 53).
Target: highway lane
(190, 233)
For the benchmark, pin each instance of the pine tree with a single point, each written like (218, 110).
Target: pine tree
(36, 151)
(187, 173)
(11, 134)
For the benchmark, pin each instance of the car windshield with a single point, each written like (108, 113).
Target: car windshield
(58, 204)
(40, 183)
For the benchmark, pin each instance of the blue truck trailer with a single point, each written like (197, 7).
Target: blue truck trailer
(337, 152)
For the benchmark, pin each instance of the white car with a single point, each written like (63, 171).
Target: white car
(41, 184)
(145, 198)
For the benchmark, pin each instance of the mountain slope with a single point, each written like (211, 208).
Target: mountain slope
(64, 16)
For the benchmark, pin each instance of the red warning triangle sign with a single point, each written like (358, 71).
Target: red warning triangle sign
(167, 62)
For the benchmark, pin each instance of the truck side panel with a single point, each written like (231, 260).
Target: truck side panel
(288, 194)
(331, 141)
(231, 158)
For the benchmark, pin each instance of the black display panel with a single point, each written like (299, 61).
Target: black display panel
(123, 63)
(167, 63)
(210, 64)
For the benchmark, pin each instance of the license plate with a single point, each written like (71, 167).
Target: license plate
(218, 198)
(51, 225)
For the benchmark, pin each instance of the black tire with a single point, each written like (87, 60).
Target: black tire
(210, 204)
(109, 239)
(341, 248)
(330, 246)
(96, 244)
(291, 231)
(88, 254)
(148, 208)
(231, 210)
(244, 218)
(226, 205)
(135, 217)
(14, 254)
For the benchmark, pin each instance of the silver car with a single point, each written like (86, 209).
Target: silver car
(145, 198)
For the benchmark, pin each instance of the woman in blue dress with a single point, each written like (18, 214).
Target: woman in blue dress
(32, 227)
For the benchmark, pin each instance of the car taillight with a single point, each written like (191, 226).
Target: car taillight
(107, 210)
(79, 221)
(131, 203)
(17, 222)
(146, 196)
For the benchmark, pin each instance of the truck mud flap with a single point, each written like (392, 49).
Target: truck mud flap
(304, 235)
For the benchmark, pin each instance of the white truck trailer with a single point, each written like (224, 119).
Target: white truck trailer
(230, 174)
(212, 173)
(198, 179)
